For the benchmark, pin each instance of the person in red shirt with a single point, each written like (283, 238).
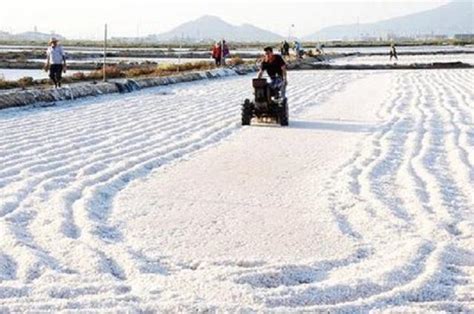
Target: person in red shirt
(216, 53)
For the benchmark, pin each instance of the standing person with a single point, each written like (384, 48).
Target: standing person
(393, 52)
(319, 49)
(275, 67)
(216, 53)
(286, 49)
(298, 49)
(55, 61)
(225, 52)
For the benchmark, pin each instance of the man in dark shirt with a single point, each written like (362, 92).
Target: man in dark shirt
(276, 70)
(393, 52)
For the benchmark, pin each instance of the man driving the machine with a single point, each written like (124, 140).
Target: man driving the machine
(276, 70)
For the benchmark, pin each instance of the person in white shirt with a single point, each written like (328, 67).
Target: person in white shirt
(55, 62)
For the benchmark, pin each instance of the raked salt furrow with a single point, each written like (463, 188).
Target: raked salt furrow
(370, 272)
(61, 153)
(436, 198)
(461, 85)
(452, 208)
(446, 194)
(104, 124)
(125, 156)
(40, 139)
(360, 170)
(74, 145)
(381, 172)
(461, 105)
(350, 171)
(327, 295)
(423, 212)
(434, 261)
(127, 143)
(101, 121)
(118, 181)
(94, 200)
(70, 162)
(413, 180)
(101, 127)
(456, 153)
(398, 196)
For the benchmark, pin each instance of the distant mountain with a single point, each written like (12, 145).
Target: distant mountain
(213, 28)
(36, 36)
(29, 36)
(4, 35)
(453, 18)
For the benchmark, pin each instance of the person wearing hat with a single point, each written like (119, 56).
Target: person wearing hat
(55, 61)
(275, 67)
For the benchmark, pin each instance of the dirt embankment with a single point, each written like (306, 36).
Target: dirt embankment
(76, 61)
(309, 64)
(18, 98)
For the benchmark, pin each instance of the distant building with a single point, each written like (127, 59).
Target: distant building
(369, 38)
(36, 36)
(400, 38)
(464, 36)
(29, 36)
(4, 35)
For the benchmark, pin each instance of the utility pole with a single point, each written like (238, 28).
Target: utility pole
(179, 52)
(358, 30)
(289, 31)
(104, 74)
(222, 52)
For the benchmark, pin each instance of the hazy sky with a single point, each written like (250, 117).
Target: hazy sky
(85, 18)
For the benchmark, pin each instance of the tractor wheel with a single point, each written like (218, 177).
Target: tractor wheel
(247, 112)
(284, 114)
